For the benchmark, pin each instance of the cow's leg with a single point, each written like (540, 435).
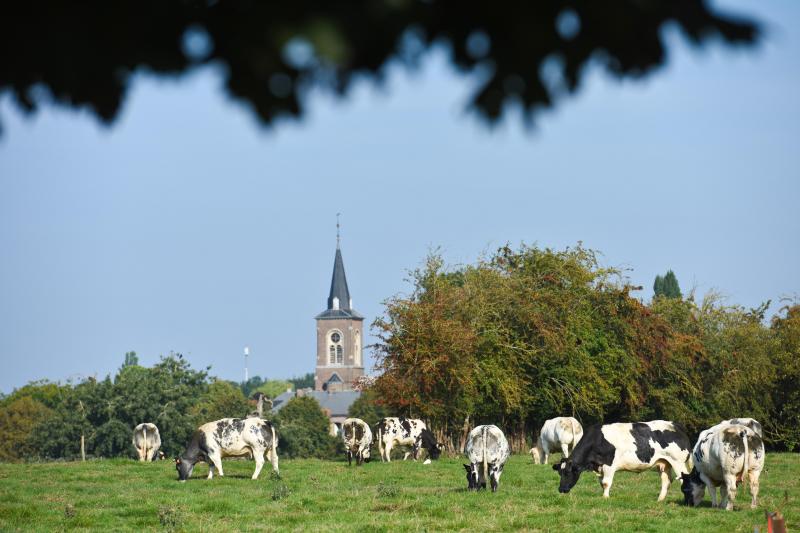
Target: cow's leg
(273, 457)
(210, 470)
(712, 490)
(349, 458)
(258, 455)
(216, 459)
(564, 450)
(728, 492)
(666, 479)
(388, 450)
(753, 477)
(140, 452)
(607, 479)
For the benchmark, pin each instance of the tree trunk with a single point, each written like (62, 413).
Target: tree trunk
(83, 448)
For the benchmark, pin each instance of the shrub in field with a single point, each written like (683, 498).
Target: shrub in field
(17, 420)
(222, 399)
(303, 430)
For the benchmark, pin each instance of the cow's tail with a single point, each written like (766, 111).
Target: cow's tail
(380, 439)
(745, 466)
(144, 429)
(574, 434)
(485, 463)
(273, 453)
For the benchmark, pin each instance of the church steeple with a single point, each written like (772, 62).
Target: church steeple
(339, 303)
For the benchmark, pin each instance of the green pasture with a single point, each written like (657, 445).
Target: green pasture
(313, 495)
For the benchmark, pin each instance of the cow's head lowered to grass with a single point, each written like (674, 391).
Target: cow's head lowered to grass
(569, 472)
(693, 488)
(184, 468)
(428, 441)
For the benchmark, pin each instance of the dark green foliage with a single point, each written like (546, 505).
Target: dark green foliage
(130, 359)
(305, 381)
(786, 392)
(303, 430)
(667, 286)
(367, 409)
(17, 420)
(249, 387)
(113, 439)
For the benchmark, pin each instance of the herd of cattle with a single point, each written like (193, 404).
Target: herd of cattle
(725, 455)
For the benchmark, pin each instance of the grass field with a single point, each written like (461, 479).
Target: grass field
(328, 495)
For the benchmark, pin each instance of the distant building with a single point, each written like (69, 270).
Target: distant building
(340, 359)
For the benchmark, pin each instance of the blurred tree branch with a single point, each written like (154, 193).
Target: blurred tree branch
(83, 53)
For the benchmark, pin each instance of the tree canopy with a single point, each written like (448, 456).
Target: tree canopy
(85, 54)
(528, 334)
(667, 286)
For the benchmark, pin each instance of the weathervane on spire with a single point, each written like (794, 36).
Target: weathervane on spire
(337, 229)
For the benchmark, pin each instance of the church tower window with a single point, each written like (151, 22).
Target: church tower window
(335, 349)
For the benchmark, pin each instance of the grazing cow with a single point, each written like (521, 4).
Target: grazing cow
(147, 441)
(487, 451)
(562, 432)
(357, 439)
(633, 447)
(229, 437)
(724, 456)
(405, 432)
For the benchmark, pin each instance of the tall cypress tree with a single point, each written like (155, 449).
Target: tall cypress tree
(667, 286)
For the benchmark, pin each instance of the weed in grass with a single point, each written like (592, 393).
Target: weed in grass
(279, 492)
(170, 517)
(387, 490)
(69, 511)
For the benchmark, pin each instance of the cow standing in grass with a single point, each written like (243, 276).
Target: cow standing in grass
(229, 437)
(633, 447)
(487, 451)
(357, 440)
(405, 432)
(147, 441)
(563, 432)
(724, 456)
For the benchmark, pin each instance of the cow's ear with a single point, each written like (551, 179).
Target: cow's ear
(557, 466)
(468, 468)
(177, 460)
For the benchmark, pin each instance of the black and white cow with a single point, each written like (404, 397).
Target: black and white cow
(633, 447)
(560, 433)
(147, 441)
(229, 437)
(401, 431)
(357, 440)
(723, 456)
(487, 451)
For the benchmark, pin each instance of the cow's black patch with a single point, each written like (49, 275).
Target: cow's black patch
(219, 431)
(428, 441)
(359, 432)
(406, 425)
(735, 441)
(642, 435)
(591, 453)
(266, 435)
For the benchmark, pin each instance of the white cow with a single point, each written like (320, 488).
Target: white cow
(357, 439)
(487, 451)
(229, 437)
(146, 440)
(723, 456)
(563, 432)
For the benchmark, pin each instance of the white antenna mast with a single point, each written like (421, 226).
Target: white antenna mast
(246, 353)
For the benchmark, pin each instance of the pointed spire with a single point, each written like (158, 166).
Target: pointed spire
(337, 230)
(339, 297)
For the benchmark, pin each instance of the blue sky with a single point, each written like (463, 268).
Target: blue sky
(189, 227)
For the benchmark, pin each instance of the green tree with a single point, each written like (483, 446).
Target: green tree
(130, 359)
(304, 430)
(273, 387)
(305, 381)
(667, 286)
(367, 409)
(222, 399)
(17, 421)
(785, 426)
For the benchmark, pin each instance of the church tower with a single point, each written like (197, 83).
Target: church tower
(339, 335)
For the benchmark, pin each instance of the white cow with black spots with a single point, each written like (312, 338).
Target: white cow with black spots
(633, 447)
(560, 433)
(393, 431)
(357, 439)
(487, 451)
(229, 437)
(724, 456)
